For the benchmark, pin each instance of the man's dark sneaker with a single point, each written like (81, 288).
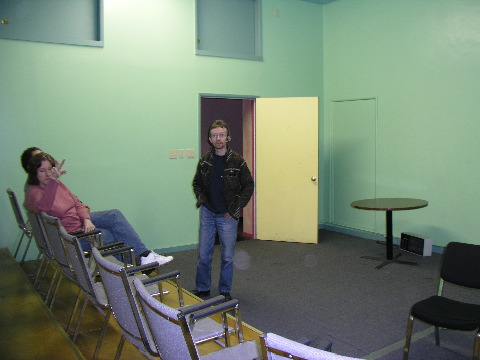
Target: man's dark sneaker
(226, 295)
(201, 293)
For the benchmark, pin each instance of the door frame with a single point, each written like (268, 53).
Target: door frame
(248, 121)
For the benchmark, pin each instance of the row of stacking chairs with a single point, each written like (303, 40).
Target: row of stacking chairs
(173, 333)
(48, 233)
(33, 229)
(114, 293)
(62, 252)
(79, 268)
(117, 280)
(136, 300)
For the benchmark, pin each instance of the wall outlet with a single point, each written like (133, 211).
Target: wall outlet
(190, 153)
(172, 154)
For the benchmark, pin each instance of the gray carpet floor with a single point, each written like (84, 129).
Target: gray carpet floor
(326, 291)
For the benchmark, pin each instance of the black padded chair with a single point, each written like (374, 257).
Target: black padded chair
(460, 266)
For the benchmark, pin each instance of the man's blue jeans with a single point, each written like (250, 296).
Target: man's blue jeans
(115, 227)
(210, 224)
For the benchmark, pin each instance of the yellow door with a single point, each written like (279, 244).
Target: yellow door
(286, 181)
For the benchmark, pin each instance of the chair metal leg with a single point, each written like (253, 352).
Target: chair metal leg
(77, 301)
(54, 296)
(225, 329)
(79, 319)
(102, 334)
(52, 284)
(476, 347)
(39, 284)
(408, 337)
(37, 275)
(19, 244)
(437, 336)
(238, 319)
(34, 274)
(26, 249)
(120, 348)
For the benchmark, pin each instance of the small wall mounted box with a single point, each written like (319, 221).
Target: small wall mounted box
(416, 244)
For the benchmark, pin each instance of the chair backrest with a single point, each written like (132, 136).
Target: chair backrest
(16, 210)
(52, 227)
(40, 235)
(168, 327)
(121, 298)
(461, 264)
(276, 347)
(84, 273)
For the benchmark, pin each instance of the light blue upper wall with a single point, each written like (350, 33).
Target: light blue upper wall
(114, 112)
(421, 59)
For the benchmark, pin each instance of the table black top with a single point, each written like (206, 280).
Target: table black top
(389, 204)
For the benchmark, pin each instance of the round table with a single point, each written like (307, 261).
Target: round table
(389, 205)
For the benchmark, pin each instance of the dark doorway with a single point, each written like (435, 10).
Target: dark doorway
(238, 113)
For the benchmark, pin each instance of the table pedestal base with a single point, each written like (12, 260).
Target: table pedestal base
(389, 205)
(386, 262)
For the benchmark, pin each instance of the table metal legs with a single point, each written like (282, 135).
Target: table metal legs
(389, 243)
(389, 235)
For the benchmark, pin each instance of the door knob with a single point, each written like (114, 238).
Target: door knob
(314, 178)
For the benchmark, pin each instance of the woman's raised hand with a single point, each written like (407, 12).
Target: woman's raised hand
(57, 170)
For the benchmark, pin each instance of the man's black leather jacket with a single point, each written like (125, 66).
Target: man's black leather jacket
(238, 183)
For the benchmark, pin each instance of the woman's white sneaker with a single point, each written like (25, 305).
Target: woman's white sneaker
(154, 257)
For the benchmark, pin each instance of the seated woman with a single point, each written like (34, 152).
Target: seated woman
(46, 193)
(25, 160)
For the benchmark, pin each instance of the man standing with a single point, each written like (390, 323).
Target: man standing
(223, 185)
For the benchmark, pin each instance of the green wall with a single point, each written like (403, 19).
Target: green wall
(114, 112)
(421, 61)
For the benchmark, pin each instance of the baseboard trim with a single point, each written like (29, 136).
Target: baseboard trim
(330, 227)
(176, 249)
(368, 235)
